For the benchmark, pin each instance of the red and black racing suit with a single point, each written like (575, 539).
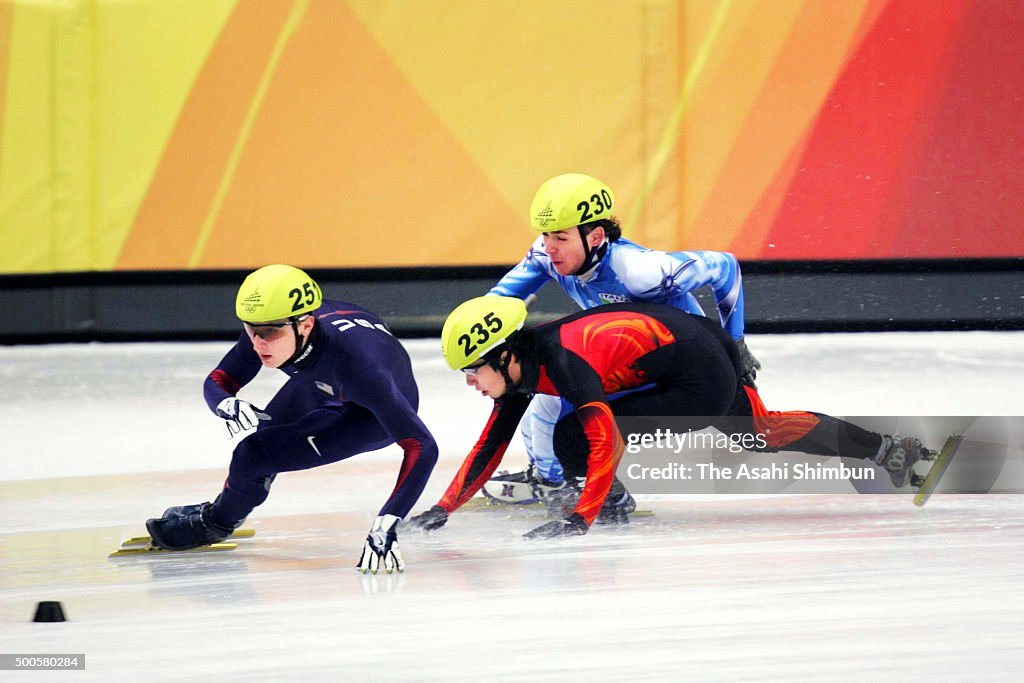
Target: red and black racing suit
(677, 364)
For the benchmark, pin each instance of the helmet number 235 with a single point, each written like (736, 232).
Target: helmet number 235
(469, 344)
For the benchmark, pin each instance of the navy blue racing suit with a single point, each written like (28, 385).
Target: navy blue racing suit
(352, 390)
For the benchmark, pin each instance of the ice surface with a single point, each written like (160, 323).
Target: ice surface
(96, 438)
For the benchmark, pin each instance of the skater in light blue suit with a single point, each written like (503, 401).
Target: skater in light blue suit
(582, 249)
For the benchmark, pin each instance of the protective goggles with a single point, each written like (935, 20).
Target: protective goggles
(472, 369)
(271, 331)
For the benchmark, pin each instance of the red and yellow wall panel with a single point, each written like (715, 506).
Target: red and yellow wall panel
(142, 134)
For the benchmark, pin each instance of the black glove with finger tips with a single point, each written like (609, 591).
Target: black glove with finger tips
(573, 525)
(750, 364)
(434, 518)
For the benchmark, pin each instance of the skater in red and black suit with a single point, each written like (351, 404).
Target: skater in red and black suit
(622, 360)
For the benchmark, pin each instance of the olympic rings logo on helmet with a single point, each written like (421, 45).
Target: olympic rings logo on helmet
(568, 200)
(277, 292)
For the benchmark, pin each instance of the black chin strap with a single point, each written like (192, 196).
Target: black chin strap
(302, 345)
(503, 369)
(501, 365)
(591, 257)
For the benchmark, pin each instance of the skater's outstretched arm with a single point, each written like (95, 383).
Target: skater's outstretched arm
(481, 462)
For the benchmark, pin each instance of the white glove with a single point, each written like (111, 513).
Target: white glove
(381, 547)
(239, 415)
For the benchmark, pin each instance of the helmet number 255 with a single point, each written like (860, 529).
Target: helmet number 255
(469, 345)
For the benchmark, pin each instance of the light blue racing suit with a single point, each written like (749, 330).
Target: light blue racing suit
(628, 272)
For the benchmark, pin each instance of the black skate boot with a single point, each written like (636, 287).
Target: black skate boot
(518, 488)
(898, 455)
(187, 531)
(561, 502)
(617, 505)
(186, 510)
(183, 510)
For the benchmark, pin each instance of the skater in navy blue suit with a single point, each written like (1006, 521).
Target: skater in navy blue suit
(350, 390)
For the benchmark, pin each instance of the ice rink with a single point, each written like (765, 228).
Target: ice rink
(97, 438)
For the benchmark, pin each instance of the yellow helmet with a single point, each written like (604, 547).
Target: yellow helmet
(477, 326)
(569, 200)
(276, 292)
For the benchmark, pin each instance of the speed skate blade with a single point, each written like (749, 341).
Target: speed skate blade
(484, 503)
(939, 466)
(144, 540)
(149, 550)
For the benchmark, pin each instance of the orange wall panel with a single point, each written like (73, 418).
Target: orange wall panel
(365, 134)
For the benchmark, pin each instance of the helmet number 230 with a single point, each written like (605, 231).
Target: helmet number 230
(602, 202)
(469, 344)
(302, 297)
